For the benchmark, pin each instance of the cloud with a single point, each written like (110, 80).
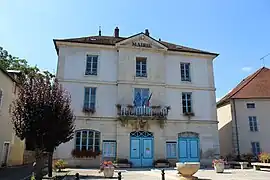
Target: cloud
(246, 69)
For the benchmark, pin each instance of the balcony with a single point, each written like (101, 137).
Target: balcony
(143, 112)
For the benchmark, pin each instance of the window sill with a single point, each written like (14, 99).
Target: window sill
(141, 77)
(90, 75)
(187, 82)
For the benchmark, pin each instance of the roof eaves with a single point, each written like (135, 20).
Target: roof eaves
(8, 75)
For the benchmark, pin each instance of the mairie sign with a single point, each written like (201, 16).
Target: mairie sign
(140, 44)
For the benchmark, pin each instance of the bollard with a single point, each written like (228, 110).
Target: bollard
(77, 176)
(162, 174)
(119, 176)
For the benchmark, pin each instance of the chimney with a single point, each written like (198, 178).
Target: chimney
(116, 32)
(146, 32)
(99, 32)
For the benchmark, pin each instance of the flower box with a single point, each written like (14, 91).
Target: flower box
(161, 163)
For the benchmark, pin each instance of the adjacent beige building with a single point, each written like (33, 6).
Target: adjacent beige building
(11, 147)
(244, 116)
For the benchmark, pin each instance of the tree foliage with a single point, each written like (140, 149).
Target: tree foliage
(9, 62)
(42, 113)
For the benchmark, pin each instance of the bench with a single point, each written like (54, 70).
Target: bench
(243, 165)
(257, 165)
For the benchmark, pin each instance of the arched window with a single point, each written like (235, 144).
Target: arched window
(87, 140)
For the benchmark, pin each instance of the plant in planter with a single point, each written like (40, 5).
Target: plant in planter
(59, 165)
(219, 165)
(161, 163)
(264, 157)
(121, 162)
(89, 110)
(84, 153)
(107, 168)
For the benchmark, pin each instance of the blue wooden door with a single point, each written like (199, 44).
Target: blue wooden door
(189, 149)
(141, 149)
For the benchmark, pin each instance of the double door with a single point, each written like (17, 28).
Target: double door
(141, 151)
(189, 149)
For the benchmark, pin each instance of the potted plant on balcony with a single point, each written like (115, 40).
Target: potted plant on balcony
(107, 168)
(219, 165)
(89, 110)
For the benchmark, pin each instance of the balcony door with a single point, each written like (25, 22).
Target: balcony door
(141, 95)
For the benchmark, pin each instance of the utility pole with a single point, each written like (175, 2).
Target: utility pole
(262, 58)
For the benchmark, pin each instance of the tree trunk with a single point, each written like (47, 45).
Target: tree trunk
(39, 164)
(50, 157)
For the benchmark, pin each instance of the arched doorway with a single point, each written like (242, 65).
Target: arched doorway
(141, 148)
(189, 150)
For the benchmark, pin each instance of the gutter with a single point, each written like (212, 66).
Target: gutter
(236, 128)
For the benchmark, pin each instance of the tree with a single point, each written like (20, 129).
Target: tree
(42, 115)
(9, 62)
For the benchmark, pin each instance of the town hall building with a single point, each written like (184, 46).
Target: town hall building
(138, 98)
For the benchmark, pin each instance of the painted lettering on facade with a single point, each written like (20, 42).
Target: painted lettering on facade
(139, 44)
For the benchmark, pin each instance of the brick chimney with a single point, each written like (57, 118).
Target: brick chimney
(146, 32)
(116, 32)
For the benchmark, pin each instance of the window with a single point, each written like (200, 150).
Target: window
(141, 68)
(256, 149)
(109, 148)
(91, 65)
(90, 97)
(141, 96)
(186, 102)
(185, 71)
(250, 105)
(171, 149)
(88, 140)
(1, 97)
(253, 125)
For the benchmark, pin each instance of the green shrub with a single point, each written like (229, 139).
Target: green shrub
(59, 165)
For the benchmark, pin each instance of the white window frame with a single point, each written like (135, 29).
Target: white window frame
(252, 121)
(91, 62)
(185, 79)
(141, 74)
(186, 100)
(113, 144)
(87, 143)
(256, 149)
(176, 149)
(90, 97)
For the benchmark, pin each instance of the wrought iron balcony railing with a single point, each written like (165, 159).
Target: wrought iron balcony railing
(152, 111)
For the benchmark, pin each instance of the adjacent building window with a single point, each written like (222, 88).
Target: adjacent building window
(90, 97)
(1, 97)
(141, 67)
(256, 149)
(250, 105)
(171, 149)
(185, 71)
(88, 140)
(91, 65)
(109, 148)
(187, 102)
(253, 124)
(141, 96)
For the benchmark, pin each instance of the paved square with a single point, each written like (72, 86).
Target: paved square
(155, 174)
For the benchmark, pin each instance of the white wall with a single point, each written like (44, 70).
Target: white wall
(163, 79)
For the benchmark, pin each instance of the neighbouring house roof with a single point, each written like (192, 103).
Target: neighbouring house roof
(255, 86)
(111, 40)
(8, 75)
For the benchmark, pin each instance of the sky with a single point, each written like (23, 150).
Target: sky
(238, 30)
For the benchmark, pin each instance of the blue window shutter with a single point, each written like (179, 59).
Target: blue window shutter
(86, 96)
(137, 97)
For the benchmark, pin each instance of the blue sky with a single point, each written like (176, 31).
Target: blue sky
(238, 30)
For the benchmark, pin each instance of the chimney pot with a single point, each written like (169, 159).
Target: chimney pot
(99, 32)
(146, 32)
(116, 32)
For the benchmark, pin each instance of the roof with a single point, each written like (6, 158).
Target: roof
(255, 86)
(8, 75)
(111, 40)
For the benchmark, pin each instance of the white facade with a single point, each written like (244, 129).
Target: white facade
(115, 82)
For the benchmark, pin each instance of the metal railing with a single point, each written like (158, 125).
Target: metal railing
(143, 111)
